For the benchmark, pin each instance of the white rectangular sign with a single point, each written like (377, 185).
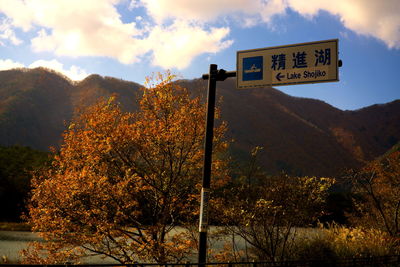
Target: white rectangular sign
(286, 65)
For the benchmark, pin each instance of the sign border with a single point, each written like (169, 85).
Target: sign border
(336, 41)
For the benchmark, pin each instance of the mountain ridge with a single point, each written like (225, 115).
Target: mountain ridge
(300, 135)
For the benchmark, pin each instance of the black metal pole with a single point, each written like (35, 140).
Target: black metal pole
(213, 76)
(205, 191)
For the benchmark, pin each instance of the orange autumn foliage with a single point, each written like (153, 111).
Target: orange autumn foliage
(123, 181)
(377, 194)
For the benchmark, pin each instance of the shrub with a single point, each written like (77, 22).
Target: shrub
(337, 242)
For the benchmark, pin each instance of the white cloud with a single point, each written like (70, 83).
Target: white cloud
(173, 32)
(6, 64)
(94, 28)
(133, 4)
(7, 33)
(189, 10)
(74, 72)
(77, 28)
(210, 10)
(19, 12)
(380, 19)
(271, 8)
(86, 28)
(184, 41)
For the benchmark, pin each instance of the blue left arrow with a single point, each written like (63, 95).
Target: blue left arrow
(279, 76)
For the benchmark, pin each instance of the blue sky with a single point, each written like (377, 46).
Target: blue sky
(131, 39)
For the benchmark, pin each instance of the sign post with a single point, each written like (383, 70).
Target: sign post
(284, 65)
(313, 62)
(213, 76)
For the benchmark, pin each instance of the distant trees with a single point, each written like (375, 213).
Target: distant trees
(266, 211)
(377, 194)
(17, 164)
(269, 212)
(123, 181)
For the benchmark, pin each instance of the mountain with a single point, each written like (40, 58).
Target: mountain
(301, 136)
(89, 90)
(305, 136)
(36, 105)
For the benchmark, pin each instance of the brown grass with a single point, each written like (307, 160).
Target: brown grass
(13, 226)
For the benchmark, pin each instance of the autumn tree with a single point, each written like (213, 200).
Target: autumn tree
(265, 211)
(123, 181)
(376, 188)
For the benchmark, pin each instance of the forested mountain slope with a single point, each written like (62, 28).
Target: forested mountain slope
(300, 136)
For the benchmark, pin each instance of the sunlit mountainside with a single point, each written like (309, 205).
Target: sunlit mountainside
(299, 135)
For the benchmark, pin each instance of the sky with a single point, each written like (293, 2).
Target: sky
(131, 39)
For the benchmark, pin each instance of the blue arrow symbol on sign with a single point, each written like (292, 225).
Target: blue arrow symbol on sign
(279, 76)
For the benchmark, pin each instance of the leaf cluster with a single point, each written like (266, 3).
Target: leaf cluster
(123, 181)
(377, 194)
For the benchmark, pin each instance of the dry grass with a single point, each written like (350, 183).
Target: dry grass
(13, 226)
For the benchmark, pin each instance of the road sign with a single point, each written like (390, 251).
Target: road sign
(286, 65)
